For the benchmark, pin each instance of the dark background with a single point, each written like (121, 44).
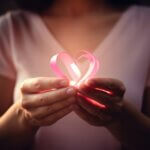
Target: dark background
(10, 4)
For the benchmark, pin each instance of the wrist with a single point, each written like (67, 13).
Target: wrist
(25, 127)
(116, 127)
(13, 124)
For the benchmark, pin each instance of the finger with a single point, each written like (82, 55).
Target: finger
(48, 98)
(97, 111)
(42, 112)
(108, 84)
(98, 96)
(108, 112)
(91, 119)
(52, 118)
(91, 101)
(36, 85)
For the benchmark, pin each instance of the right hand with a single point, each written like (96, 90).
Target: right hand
(43, 102)
(39, 106)
(44, 106)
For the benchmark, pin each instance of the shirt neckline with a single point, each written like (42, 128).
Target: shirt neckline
(50, 38)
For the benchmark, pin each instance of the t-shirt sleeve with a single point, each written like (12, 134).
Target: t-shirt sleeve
(145, 14)
(148, 80)
(7, 67)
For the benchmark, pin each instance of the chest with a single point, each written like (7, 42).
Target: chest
(84, 33)
(126, 59)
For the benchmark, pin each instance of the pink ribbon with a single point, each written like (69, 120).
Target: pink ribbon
(76, 76)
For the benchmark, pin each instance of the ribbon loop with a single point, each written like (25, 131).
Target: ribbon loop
(72, 67)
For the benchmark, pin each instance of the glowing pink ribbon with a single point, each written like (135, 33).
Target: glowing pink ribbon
(71, 65)
(74, 71)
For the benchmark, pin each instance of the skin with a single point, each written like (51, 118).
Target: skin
(128, 125)
(42, 106)
(39, 106)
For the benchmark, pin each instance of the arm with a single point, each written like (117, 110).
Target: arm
(146, 101)
(6, 102)
(130, 126)
(6, 93)
(134, 126)
(137, 124)
(39, 106)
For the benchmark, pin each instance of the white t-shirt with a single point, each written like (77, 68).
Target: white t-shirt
(26, 46)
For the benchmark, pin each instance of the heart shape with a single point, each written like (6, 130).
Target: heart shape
(72, 67)
(74, 70)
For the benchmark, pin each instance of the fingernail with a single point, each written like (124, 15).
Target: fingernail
(71, 91)
(63, 83)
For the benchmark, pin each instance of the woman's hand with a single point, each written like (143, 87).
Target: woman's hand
(46, 100)
(43, 102)
(100, 101)
(119, 116)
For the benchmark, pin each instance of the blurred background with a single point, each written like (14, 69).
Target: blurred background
(6, 5)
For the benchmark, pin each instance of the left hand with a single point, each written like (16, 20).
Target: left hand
(108, 93)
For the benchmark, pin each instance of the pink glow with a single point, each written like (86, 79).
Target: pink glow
(93, 67)
(92, 101)
(75, 69)
(105, 91)
(76, 77)
(44, 91)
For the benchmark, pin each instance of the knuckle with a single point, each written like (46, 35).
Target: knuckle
(120, 85)
(24, 103)
(36, 115)
(22, 89)
(23, 86)
(35, 97)
(51, 96)
(37, 84)
(27, 116)
(24, 97)
(54, 95)
(19, 111)
(35, 122)
(123, 88)
(62, 93)
(32, 115)
(51, 108)
(41, 99)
